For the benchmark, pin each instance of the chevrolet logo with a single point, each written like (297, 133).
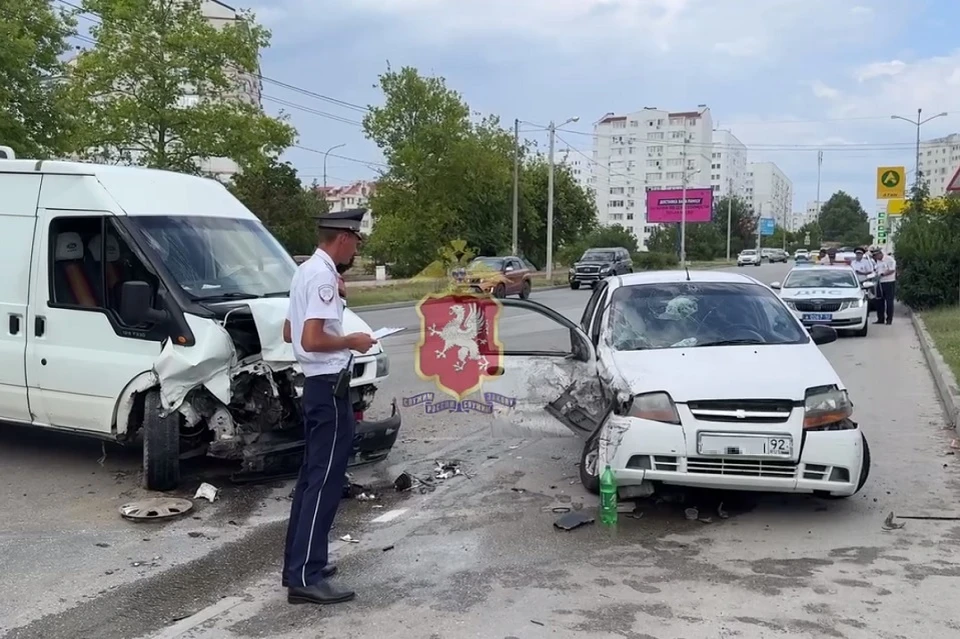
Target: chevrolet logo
(741, 414)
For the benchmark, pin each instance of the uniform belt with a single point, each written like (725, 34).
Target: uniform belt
(326, 377)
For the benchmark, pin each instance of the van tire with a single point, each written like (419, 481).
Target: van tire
(161, 445)
(590, 457)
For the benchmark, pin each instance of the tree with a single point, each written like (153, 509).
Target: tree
(743, 226)
(33, 118)
(816, 236)
(158, 88)
(842, 219)
(274, 193)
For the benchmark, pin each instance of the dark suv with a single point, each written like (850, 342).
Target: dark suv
(599, 263)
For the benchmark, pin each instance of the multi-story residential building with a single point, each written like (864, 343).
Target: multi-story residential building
(770, 192)
(578, 164)
(648, 149)
(939, 161)
(351, 196)
(801, 218)
(728, 165)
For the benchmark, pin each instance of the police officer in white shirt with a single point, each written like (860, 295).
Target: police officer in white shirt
(887, 270)
(314, 326)
(863, 266)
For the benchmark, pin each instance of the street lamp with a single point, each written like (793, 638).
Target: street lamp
(325, 154)
(918, 123)
(553, 134)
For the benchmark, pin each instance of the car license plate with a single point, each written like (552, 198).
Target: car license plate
(817, 317)
(747, 445)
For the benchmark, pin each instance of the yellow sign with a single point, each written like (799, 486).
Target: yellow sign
(891, 183)
(895, 207)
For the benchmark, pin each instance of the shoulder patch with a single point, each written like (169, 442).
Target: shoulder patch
(326, 292)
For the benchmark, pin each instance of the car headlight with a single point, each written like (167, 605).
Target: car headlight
(572, 271)
(852, 304)
(658, 407)
(827, 408)
(383, 365)
(790, 304)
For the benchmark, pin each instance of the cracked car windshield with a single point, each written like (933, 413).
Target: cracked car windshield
(821, 279)
(212, 256)
(683, 315)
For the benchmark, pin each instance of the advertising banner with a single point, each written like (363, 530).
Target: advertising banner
(665, 207)
(767, 226)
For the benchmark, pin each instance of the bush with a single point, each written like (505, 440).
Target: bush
(651, 261)
(927, 251)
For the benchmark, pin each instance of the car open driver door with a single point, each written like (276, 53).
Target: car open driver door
(540, 390)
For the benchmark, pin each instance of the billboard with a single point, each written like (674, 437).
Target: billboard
(665, 207)
(767, 226)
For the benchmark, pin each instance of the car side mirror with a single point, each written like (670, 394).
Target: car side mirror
(867, 284)
(775, 285)
(822, 334)
(136, 304)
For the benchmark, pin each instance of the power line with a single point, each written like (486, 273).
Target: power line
(341, 157)
(307, 109)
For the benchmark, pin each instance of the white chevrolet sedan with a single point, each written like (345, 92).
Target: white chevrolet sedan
(826, 295)
(703, 379)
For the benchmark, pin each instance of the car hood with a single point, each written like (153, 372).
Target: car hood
(727, 372)
(821, 293)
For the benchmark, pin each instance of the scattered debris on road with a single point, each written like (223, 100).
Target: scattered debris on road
(573, 520)
(349, 539)
(721, 513)
(207, 491)
(889, 525)
(447, 469)
(155, 508)
(403, 482)
(388, 548)
(692, 514)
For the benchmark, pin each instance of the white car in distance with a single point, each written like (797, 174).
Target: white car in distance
(703, 379)
(826, 295)
(749, 256)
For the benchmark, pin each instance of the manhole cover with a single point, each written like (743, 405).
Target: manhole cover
(155, 508)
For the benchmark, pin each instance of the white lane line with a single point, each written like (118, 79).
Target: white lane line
(203, 616)
(389, 516)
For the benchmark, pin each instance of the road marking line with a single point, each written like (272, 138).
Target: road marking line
(388, 516)
(203, 616)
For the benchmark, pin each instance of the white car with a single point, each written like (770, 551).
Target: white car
(827, 295)
(647, 382)
(749, 256)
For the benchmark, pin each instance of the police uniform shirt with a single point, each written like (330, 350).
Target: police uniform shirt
(314, 295)
(863, 266)
(887, 264)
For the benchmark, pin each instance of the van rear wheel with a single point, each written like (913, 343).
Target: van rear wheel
(161, 445)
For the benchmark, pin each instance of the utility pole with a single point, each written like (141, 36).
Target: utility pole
(553, 134)
(516, 182)
(683, 206)
(819, 164)
(729, 214)
(759, 217)
(325, 154)
(785, 231)
(918, 123)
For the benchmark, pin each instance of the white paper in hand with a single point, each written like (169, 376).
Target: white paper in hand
(380, 333)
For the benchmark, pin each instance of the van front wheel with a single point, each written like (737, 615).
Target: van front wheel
(161, 445)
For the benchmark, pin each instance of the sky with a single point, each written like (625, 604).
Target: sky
(785, 76)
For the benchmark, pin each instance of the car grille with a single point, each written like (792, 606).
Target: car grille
(732, 466)
(588, 269)
(815, 306)
(757, 411)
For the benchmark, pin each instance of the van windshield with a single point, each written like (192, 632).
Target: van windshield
(218, 257)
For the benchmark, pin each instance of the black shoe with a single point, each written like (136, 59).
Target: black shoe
(326, 572)
(889, 322)
(881, 322)
(321, 593)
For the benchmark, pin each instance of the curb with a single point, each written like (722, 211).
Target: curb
(943, 377)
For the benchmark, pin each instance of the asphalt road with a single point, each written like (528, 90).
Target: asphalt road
(479, 556)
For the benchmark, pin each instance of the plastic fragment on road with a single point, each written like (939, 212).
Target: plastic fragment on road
(349, 539)
(889, 525)
(207, 491)
(573, 520)
(692, 514)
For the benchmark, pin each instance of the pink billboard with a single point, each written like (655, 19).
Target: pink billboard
(665, 207)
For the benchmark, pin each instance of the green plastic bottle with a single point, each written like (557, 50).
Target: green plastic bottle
(608, 497)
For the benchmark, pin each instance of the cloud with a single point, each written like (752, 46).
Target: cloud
(821, 90)
(880, 69)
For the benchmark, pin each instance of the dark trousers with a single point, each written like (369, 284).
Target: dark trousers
(328, 436)
(885, 301)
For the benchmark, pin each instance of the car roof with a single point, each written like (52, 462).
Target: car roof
(824, 267)
(703, 277)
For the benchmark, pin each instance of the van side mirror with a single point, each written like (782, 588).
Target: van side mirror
(775, 285)
(136, 304)
(822, 334)
(507, 269)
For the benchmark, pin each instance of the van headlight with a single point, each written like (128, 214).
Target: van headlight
(827, 408)
(383, 364)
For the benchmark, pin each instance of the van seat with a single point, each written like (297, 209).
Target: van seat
(71, 285)
(113, 257)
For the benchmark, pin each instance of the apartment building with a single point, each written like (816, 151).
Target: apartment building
(577, 162)
(648, 149)
(770, 192)
(800, 219)
(728, 165)
(351, 196)
(939, 161)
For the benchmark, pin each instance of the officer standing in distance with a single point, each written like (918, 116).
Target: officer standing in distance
(314, 327)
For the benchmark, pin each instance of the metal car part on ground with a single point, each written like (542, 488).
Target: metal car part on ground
(662, 416)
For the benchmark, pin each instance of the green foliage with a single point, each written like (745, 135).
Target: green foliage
(842, 219)
(274, 193)
(650, 261)
(34, 120)
(450, 177)
(743, 225)
(704, 241)
(927, 246)
(601, 237)
(159, 88)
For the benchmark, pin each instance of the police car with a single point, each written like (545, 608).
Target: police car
(828, 295)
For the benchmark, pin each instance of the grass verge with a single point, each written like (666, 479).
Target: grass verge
(413, 291)
(943, 324)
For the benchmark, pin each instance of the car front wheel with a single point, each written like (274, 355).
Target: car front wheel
(574, 285)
